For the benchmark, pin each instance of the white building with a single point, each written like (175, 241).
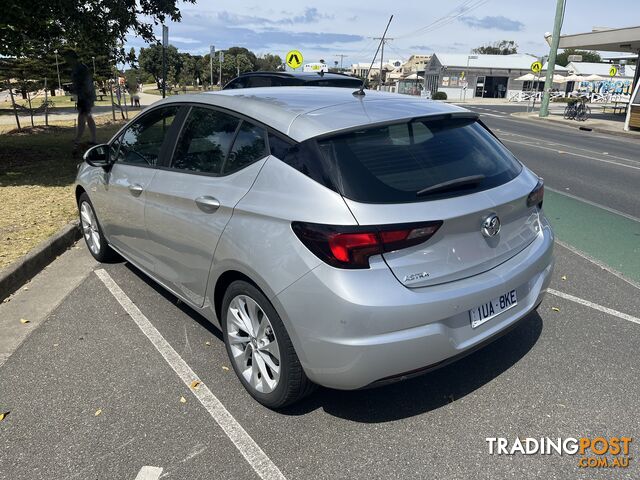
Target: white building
(488, 76)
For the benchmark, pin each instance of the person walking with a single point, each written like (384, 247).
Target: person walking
(84, 89)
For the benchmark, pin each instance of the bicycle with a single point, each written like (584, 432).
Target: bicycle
(570, 110)
(583, 112)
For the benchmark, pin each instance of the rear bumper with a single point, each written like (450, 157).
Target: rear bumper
(352, 328)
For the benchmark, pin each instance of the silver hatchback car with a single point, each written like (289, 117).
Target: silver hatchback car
(335, 239)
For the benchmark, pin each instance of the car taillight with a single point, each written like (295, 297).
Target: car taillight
(351, 246)
(536, 196)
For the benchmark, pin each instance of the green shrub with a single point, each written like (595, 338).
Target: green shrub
(440, 96)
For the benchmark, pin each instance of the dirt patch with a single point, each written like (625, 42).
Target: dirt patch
(37, 171)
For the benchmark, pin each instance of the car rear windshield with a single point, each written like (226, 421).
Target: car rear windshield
(400, 162)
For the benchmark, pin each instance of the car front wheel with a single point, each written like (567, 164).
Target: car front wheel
(260, 349)
(92, 232)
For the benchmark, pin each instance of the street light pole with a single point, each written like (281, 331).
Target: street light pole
(464, 90)
(553, 50)
(94, 65)
(58, 69)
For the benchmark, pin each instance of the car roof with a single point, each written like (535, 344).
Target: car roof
(301, 75)
(305, 112)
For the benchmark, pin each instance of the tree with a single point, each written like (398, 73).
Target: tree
(150, 60)
(587, 56)
(97, 25)
(268, 62)
(503, 47)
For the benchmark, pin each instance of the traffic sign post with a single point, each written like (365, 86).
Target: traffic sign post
(294, 59)
(536, 67)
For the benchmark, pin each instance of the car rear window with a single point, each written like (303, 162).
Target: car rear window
(392, 163)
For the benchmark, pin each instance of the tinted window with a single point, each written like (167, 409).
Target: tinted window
(204, 141)
(248, 147)
(391, 163)
(346, 83)
(142, 141)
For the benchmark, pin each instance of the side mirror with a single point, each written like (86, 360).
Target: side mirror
(98, 156)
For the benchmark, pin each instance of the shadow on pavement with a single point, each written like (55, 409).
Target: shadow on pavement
(411, 397)
(432, 390)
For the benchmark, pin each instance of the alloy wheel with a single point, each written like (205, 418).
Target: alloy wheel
(90, 228)
(253, 344)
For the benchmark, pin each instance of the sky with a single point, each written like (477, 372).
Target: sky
(323, 30)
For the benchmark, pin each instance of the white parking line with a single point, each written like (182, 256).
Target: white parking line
(149, 473)
(249, 449)
(595, 306)
(571, 153)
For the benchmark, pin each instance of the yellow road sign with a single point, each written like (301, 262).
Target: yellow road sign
(613, 72)
(536, 67)
(462, 76)
(294, 58)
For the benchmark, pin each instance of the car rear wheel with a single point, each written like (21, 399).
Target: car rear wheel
(260, 349)
(91, 231)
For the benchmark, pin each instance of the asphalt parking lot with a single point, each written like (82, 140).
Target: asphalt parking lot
(90, 395)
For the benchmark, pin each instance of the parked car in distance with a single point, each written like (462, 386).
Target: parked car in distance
(335, 239)
(293, 79)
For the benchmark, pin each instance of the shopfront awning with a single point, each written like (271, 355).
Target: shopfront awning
(614, 40)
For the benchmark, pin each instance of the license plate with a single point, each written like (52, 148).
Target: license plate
(487, 311)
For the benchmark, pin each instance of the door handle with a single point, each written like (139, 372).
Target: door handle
(207, 204)
(135, 189)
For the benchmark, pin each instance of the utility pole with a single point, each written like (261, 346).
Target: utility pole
(221, 58)
(57, 71)
(384, 41)
(341, 57)
(212, 51)
(165, 43)
(555, 40)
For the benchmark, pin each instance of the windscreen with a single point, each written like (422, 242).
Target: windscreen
(418, 160)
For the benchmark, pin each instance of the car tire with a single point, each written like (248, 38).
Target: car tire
(256, 347)
(92, 232)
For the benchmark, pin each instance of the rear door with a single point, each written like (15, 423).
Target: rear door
(191, 198)
(140, 147)
(395, 174)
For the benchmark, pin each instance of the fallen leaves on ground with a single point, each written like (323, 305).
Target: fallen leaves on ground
(3, 415)
(24, 321)
(98, 412)
(183, 400)
(563, 277)
(555, 309)
(225, 368)
(207, 344)
(195, 384)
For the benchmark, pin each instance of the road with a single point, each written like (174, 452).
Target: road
(91, 394)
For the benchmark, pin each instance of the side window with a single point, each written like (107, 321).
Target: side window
(141, 142)
(279, 147)
(248, 147)
(205, 140)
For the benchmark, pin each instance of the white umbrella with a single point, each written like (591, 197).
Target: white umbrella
(559, 78)
(574, 78)
(414, 76)
(594, 78)
(527, 77)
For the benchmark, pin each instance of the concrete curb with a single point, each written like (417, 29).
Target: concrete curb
(23, 270)
(595, 129)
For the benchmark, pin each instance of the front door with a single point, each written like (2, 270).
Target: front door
(140, 147)
(480, 87)
(191, 199)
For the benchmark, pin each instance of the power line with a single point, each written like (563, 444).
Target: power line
(341, 55)
(462, 9)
